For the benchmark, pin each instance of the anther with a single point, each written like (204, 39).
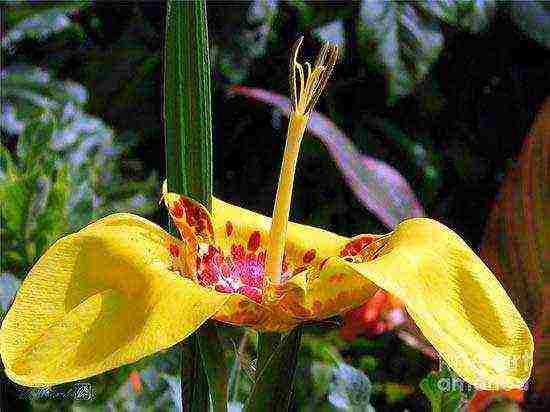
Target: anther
(309, 86)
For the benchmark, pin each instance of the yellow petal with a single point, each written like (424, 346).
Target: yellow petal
(193, 223)
(99, 299)
(452, 296)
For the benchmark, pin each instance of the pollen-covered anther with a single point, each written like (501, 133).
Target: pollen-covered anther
(307, 88)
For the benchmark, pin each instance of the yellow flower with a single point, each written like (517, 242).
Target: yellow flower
(122, 288)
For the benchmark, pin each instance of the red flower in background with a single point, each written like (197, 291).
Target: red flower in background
(483, 399)
(379, 314)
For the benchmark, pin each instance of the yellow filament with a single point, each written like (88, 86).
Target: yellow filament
(277, 234)
(305, 90)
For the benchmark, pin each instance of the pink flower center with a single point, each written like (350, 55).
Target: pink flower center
(239, 270)
(242, 271)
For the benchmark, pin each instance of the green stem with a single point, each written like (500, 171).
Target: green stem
(277, 361)
(188, 147)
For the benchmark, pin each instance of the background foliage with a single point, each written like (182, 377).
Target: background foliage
(442, 91)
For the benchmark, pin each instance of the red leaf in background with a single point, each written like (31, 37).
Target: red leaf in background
(515, 244)
(379, 187)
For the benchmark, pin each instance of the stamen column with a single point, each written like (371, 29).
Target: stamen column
(281, 211)
(306, 90)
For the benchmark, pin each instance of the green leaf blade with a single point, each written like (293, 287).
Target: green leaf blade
(188, 134)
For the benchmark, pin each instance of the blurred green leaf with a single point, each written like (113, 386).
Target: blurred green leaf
(408, 36)
(38, 21)
(248, 37)
(333, 33)
(48, 114)
(471, 15)
(533, 18)
(8, 286)
(347, 388)
(407, 42)
(29, 93)
(446, 391)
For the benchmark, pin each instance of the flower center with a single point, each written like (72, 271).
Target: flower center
(306, 90)
(241, 270)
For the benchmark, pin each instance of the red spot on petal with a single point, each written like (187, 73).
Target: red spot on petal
(252, 293)
(228, 228)
(202, 225)
(174, 250)
(336, 278)
(254, 241)
(300, 311)
(309, 256)
(178, 210)
(284, 268)
(357, 245)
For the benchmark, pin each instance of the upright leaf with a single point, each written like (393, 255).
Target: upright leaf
(380, 187)
(188, 133)
(515, 244)
(187, 102)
